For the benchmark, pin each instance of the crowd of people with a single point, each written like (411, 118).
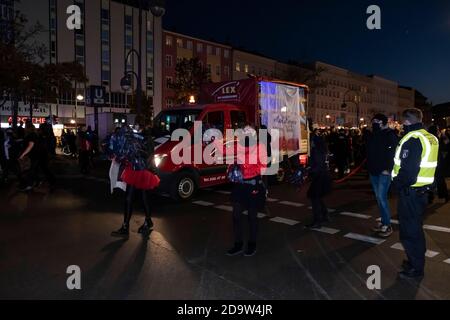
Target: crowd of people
(82, 145)
(26, 152)
(413, 163)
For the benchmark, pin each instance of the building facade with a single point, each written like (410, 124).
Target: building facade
(338, 86)
(216, 57)
(109, 31)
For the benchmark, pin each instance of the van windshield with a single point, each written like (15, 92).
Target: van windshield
(168, 121)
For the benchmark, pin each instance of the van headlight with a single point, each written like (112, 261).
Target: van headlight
(158, 158)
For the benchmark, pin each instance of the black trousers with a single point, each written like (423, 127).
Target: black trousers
(411, 210)
(237, 223)
(40, 163)
(131, 191)
(320, 211)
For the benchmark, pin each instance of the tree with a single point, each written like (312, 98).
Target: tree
(190, 75)
(19, 53)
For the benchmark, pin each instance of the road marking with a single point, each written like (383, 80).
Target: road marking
(260, 215)
(272, 200)
(429, 253)
(203, 203)
(329, 210)
(285, 221)
(360, 237)
(436, 228)
(426, 226)
(226, 208)
(355, 215)
(393, 221)
(223, 192)
(447, 261)
(293, 204)
(327, 230)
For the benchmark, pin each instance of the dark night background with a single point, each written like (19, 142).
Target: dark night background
(412, 48)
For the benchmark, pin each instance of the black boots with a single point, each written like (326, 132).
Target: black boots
(146, 228)
(123, 232)
(237, 249)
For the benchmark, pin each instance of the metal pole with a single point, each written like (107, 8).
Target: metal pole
(76, 102)
(139, 85)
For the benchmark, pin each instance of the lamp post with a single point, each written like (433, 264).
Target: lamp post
(356, 102)
(157, 9)
(328, 117)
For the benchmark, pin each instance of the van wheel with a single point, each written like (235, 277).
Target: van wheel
(184, 187)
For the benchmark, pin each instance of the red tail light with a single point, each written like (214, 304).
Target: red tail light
(303, 159)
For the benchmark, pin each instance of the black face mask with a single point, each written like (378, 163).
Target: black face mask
(376, 127)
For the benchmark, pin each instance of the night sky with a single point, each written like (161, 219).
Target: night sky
(413, 46)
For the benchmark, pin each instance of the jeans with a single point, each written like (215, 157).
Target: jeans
(380, 185)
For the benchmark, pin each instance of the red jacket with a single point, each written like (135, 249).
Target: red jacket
(253, 159)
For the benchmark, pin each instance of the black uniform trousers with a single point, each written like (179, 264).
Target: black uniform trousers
(411, 210)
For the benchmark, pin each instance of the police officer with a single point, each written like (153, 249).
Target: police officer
(415, 164)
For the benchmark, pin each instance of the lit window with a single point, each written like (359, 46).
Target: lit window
(238, 67)
(169, 41)
(246, 68)
(180, 43)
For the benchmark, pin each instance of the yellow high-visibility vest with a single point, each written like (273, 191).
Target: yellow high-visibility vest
(429, 162)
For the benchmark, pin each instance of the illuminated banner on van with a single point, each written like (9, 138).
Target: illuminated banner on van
(241, 92)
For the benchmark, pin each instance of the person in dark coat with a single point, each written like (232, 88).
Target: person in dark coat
(321, 180)
(342, 152)
(441, 185)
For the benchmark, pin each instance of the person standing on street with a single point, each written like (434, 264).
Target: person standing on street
(321, 180)
(415, 165)
(381, 147)
(441, 185)
(134, 150)
(249, 193)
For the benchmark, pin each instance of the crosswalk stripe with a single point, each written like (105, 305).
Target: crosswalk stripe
(226, 208)
(203, 203)
(293, 204)
(355, 215)
(326, 230)
(426, 226)
(285, 221)
(260, 215)
(329, 210)
(360, 237)
(393, 221)
(429, 253)
(436, 228)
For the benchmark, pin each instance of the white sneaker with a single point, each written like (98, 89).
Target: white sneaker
(385, 231)
(378, 227)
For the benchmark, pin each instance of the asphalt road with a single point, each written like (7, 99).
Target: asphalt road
(43, 232)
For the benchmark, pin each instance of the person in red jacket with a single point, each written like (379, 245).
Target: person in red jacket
(249, 192)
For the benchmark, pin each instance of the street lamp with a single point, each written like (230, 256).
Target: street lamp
(356, 102)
